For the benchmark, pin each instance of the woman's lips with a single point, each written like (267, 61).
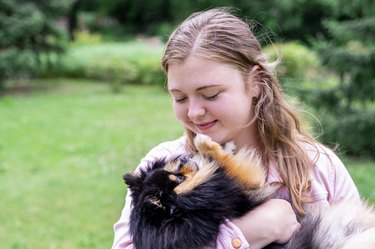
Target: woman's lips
(205, 126)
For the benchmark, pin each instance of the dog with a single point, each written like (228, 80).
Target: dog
(180, 203)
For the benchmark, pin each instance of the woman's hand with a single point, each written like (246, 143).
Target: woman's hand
(273, 221)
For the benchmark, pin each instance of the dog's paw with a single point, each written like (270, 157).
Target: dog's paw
(205, 145)
(200, 139)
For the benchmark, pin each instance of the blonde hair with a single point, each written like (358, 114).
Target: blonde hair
(221, 36)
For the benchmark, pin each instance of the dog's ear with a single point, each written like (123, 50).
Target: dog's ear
(134, 182)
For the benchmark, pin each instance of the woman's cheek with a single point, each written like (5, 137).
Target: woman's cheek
(180, 112)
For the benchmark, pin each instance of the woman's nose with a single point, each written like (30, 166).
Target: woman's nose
(196, 110)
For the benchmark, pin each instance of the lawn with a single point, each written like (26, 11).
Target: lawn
(62, 155)
(63, 151)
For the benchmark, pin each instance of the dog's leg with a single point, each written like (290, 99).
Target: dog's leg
(245, 166)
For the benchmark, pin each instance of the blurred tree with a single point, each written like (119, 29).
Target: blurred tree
(140, 16)
(84, 5)
(73, 18)
(29, 34)
(289, 19)
(349, 50)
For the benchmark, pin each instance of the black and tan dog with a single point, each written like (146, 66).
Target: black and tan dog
(180, 203)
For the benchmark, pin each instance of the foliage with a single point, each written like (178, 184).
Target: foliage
(84, 37)
(146, 17)
(28, 32)
(349, 51)
(16, 64)
(354, 132)
(298, 68)
(133, 62)
(63, 153)
(142, 16)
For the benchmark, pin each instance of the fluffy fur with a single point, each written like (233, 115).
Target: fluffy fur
(180, 203)
(340, 226)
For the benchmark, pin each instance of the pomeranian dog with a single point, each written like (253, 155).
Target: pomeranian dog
(180, 203)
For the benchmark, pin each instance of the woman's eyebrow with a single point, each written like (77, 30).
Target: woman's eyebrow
(198, 89)
(175, 91)
(207, 86)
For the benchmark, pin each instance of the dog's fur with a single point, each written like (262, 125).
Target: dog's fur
(180, 203)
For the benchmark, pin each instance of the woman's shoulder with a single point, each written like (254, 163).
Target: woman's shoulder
(329, 175)
(321, 155)
(171, 147)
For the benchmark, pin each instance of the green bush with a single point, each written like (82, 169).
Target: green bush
(297, 60)
(299, 67)
(302, 76)
(28, 32)
(121, 63)
(16, 63)
(353, 132)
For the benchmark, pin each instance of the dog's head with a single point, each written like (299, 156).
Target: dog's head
(153, 187)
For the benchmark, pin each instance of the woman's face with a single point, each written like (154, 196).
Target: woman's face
(212, 98)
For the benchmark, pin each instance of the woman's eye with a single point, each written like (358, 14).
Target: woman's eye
(211, 97)
(180, 100)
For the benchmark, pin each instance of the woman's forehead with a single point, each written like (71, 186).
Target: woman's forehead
(201, 69)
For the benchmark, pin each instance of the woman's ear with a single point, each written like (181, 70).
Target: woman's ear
(254, 82)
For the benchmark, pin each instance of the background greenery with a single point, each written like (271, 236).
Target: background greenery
(82, 99)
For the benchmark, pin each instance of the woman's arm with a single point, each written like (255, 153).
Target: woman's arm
(122, 239)
(274, 221)
(331, 181)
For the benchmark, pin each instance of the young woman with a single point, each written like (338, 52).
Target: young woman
(222, 86)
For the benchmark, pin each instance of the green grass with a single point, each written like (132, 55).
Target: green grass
(62, 155)
(363, 173)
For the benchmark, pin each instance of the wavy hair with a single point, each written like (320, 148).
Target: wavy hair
(219, 35)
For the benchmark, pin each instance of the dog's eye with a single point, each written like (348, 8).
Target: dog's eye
(180, 178)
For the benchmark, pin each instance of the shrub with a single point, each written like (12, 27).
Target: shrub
(297, 61)
(15, 64)
(299, 67)
(28, 32)
(302, 76)
(126, 63)
(85, 37)
(354, 132)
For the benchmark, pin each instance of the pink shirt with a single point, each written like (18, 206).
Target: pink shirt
(331, 183)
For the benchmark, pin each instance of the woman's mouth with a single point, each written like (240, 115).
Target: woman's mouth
(205, 126)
